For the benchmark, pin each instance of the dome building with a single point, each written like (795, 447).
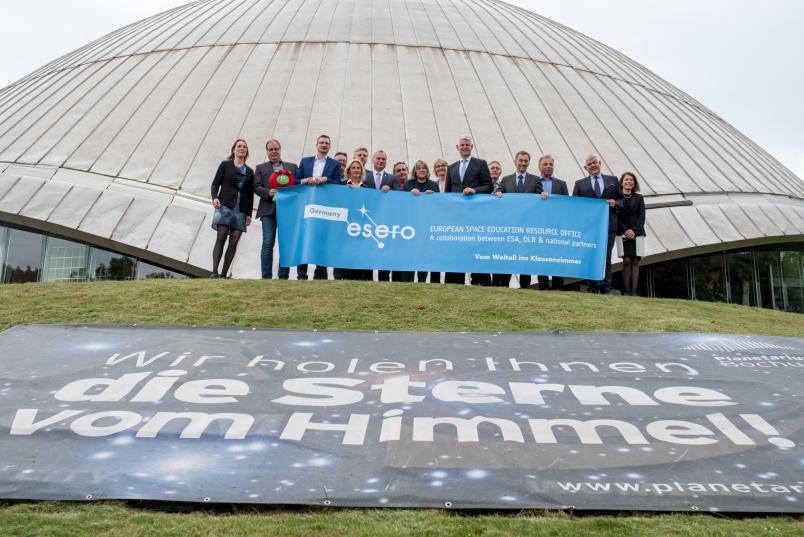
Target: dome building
(108, 152)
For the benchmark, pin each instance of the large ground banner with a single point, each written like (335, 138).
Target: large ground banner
(596, 421)
(345, 227)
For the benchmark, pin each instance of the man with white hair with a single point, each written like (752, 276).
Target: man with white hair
(604, 187)
(469, 175)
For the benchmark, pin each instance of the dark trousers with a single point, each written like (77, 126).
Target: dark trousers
(455, 277)
(604, 285)
(352, 274)
(500, 280)
(481, 279)
(544, 283)
(383, 275)
(267, 251)
(402, 276)
(435, 277)
(524, 281)
(320, 272)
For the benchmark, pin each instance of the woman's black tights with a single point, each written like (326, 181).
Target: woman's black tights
(630, 274)
(217, 251)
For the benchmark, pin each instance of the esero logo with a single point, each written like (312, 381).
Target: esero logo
(379, 232)
(370, 230)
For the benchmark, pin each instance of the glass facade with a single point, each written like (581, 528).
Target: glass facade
(22, 260)
(32, 256)
(769, 276)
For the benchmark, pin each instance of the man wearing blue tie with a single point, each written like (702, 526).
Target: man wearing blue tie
(520, 182)
(605, 187)
(315, 170)
(468, 176)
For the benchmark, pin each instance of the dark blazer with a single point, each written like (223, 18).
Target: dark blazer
(224, 187)
(410, 184)
(332, 169)
(387, 179)
(477, 176)
(631, 214)
(262, 174)
(533, 184)
(611, 191)
(559, 187)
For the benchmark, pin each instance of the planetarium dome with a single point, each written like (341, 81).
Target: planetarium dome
(116, 143)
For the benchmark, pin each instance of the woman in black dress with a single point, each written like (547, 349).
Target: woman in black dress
(233, 198)
(630, 226)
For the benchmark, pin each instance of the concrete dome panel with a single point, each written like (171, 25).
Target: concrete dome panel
(155, 106)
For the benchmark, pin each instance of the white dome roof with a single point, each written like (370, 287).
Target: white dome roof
(144, 114)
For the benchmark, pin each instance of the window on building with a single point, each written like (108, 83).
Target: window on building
(709, 278)
(792, 294)
(3, 239)
(146, 271)
(23, 261)
(65, 261)
(106, 265)
(742, 287)
(770, 279)
(670, 279)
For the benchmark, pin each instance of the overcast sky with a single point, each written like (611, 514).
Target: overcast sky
(741, 58)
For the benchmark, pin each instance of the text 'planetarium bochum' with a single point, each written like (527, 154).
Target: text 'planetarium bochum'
(107, 154)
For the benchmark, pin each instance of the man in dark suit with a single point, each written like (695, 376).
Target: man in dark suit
(377, 177)
(605, 187)
(495, 171)
(520, 182)
(315, 170)
(383, 181)
(341, 157)
(551, 186)
(469, 175)
(266, 211)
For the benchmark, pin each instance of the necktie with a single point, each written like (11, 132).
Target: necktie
(520, 185)
(463, 168)
(377, 179)
(598, 191)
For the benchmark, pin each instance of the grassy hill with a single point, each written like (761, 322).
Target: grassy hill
(374, 306)
(369, 306)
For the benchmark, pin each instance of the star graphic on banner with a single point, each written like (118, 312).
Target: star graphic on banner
(363, 211)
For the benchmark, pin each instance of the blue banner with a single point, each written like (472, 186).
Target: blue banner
(363, 228)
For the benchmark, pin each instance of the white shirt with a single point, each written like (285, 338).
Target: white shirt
(318, 167)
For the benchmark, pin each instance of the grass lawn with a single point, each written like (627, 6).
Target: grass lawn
(54, 519)
(369, 306)
(374, 306)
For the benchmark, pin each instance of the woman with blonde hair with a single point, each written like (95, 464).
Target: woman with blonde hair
(440, 167)
(353, 178)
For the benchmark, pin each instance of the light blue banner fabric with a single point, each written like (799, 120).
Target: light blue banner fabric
(345, 227)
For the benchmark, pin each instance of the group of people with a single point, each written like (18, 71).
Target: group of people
(235, 185)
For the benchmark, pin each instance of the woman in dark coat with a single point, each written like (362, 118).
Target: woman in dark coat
(630, 226)
(421, 183)
(233, 199)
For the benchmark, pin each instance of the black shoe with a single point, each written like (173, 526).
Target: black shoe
(214, 275)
